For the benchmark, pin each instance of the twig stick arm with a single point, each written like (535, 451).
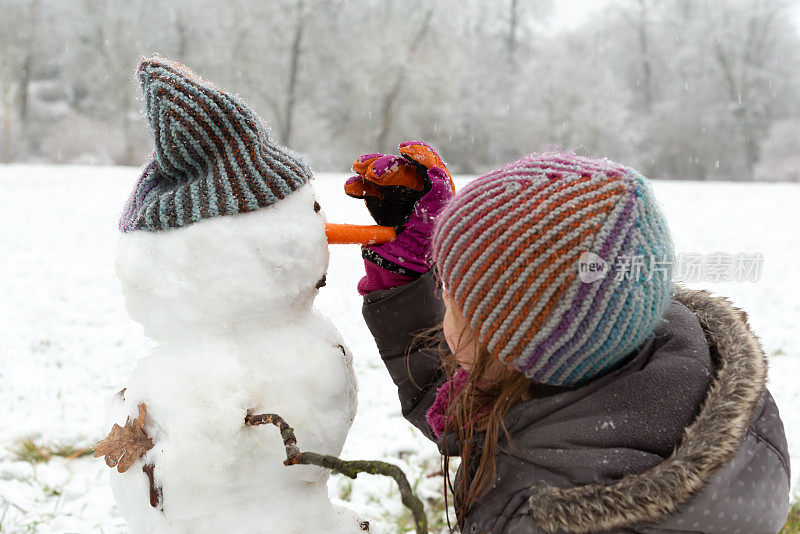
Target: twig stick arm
(347, 468)
(287, 433)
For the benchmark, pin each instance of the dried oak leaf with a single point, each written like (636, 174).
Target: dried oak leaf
(125, 444)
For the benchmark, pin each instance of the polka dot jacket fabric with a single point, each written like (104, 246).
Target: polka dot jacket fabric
(562, 264)
(213, 155)
(745, 496)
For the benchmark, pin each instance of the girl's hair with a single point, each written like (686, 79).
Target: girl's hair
(480, 406)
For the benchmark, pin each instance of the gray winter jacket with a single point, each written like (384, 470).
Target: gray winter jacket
(683, 437)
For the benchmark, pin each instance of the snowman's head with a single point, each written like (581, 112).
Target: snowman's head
(225, 273)
(221, 227)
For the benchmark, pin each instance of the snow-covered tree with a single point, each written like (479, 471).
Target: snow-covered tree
(679, 89)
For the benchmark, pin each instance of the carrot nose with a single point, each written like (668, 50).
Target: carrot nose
(339, 234)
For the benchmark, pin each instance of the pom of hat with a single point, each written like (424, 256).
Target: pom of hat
(561, 264)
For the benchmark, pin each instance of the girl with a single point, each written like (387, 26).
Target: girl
(582, 391)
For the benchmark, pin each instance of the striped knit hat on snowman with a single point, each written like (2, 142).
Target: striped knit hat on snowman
(562, 264)
(213, 155)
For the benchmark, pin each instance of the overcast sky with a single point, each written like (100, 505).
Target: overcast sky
(569, 14)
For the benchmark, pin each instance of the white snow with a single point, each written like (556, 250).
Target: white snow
(68, 343)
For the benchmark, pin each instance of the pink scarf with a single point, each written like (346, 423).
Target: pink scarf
(436, 414)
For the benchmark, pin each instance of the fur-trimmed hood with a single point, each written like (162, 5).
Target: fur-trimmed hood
(714, 440)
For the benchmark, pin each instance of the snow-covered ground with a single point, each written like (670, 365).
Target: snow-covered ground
(67, 342)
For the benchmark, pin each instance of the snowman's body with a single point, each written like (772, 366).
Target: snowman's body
(229, 301)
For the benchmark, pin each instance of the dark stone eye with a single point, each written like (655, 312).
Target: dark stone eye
(316, 206)
(322, 281)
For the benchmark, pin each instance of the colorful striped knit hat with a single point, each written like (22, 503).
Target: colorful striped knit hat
(213, 155)
(561, 264)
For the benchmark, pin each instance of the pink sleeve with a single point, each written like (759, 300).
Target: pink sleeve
(379, 278)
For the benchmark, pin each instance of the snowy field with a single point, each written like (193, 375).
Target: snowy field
(67, 342)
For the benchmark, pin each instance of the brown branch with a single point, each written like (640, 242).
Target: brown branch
(347, 468)
(287, 433)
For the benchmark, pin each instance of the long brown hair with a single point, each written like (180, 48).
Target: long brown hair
(480, 406)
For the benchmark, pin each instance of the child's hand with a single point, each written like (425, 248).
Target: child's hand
(392, 185)
(408, 193)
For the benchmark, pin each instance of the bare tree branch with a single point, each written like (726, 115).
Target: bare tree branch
(294, 67)
(389, 98)
(347, 468)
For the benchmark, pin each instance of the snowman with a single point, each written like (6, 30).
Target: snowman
(222, 253)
